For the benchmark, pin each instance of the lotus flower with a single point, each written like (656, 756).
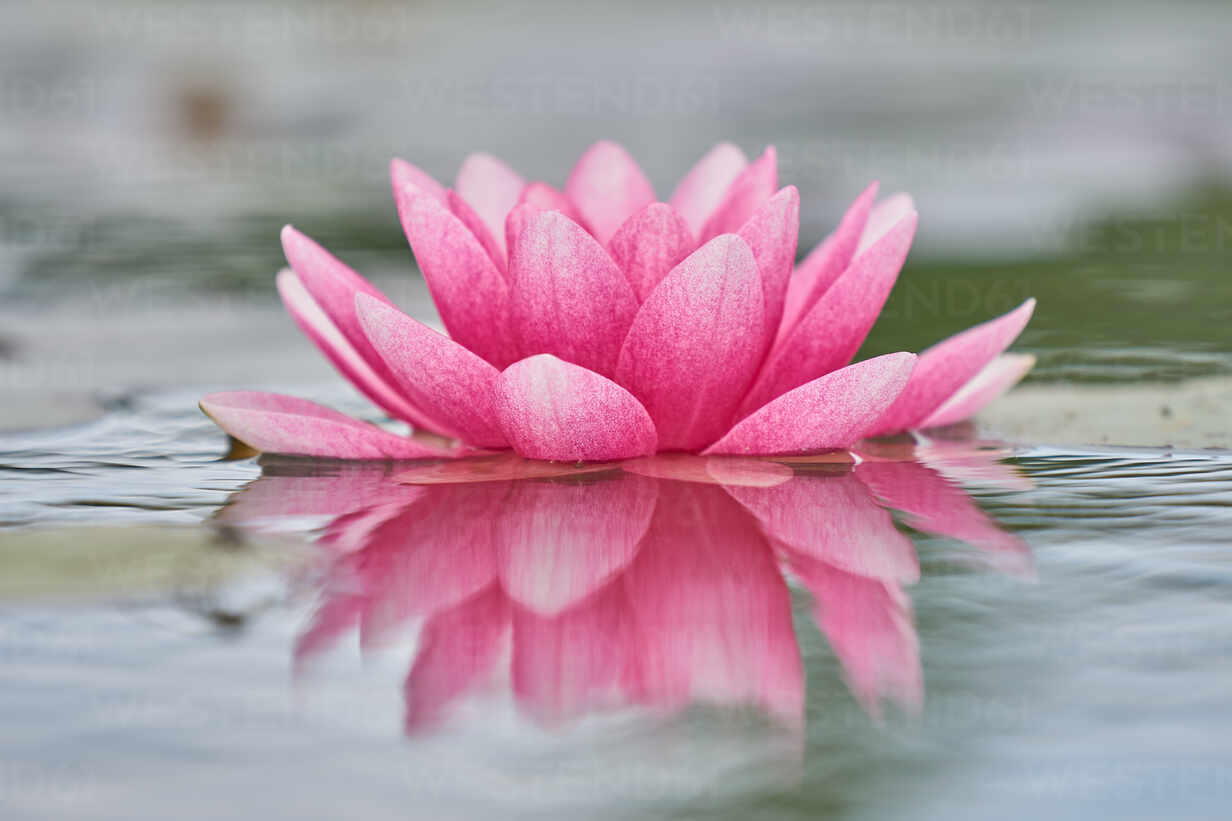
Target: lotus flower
(598, 323)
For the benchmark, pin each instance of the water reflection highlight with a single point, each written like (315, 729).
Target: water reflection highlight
(655, 584)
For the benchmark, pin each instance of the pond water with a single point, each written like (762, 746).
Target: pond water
(937, 627)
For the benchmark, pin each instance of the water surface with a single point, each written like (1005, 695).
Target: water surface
(938, 627)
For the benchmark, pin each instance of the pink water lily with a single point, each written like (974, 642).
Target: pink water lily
(598, 323)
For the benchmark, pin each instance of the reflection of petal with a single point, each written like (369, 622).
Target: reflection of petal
(815, 460)
(631, 583)
(566, 664)
(933, 505)
(713, 613)
(559, 541)
(431, 556)
(835, 519)
(292, 487)
(354, 531)
(458, 648)
(965, 461)
(973, 462)
(711, 470)
(507, 466)
(869, 626)
(336, 616)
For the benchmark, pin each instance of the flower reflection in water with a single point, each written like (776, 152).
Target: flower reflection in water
(658, 583)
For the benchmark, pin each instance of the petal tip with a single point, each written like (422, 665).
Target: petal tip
(291, 238)
(788, 193)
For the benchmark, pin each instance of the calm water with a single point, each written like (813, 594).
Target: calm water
(945, 628)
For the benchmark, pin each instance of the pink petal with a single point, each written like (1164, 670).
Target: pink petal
(884, 216)
(756, 184)
(458, 648)
(550, 409)
(870, 627)
(649, 244)
(325, 334)
(826, 262)
(462, 210)
(568, 297)
(536, 198)
(546, 198)
(402, 174)
(713, 613)
(559, 542)
(996, 378)
(834, 519)
(441, 376)
(703, 188)
(832, 411)
(772, 233)
(275, 423)
(492, 189)
(333, 286)
(515, 224)
(469, 290)
(695, 345)
(832, 331)
(736, 471)
(948, 365)
(608, 187)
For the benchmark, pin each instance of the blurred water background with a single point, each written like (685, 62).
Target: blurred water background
(149, 152)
